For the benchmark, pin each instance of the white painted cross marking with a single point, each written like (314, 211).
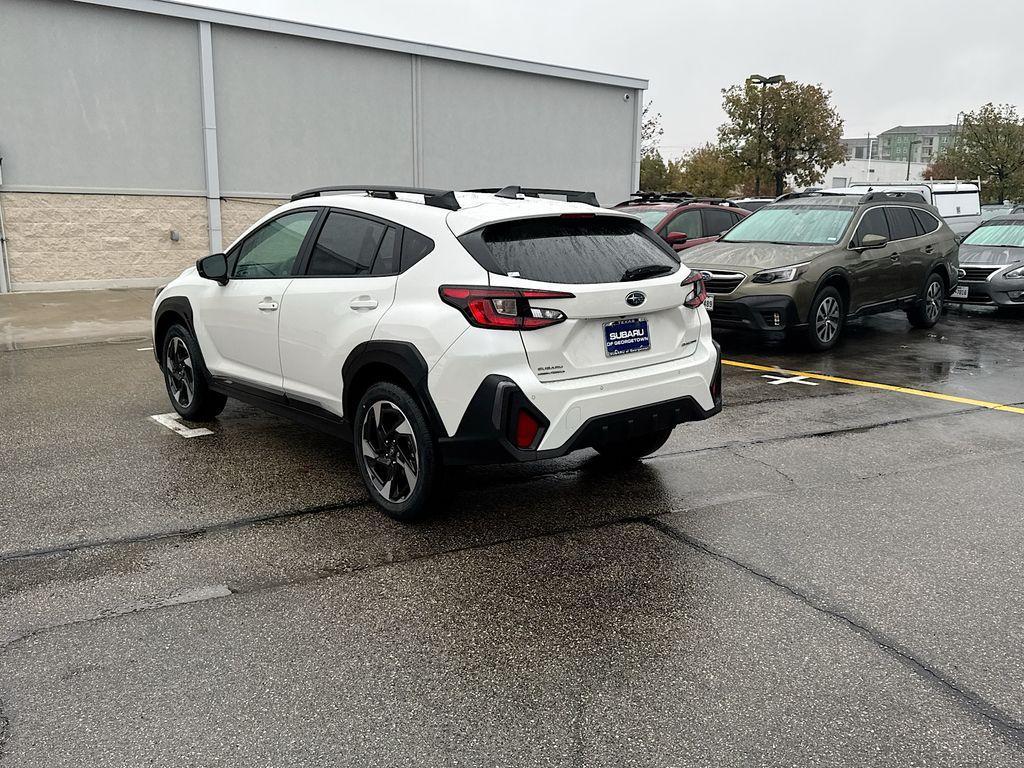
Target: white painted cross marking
(173, 422)
(789, 380)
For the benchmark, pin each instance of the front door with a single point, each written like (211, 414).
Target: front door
(876, 275)
(241, 319)
(688, 222)
(346, 286)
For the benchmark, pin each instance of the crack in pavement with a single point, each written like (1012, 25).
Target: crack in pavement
(226, 525)
(730, 446)
(1011, 728)
(319, 574)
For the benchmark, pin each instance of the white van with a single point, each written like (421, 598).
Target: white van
(958, 202)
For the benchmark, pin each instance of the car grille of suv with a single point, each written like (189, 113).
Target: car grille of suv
(722, 282)
(977, 274)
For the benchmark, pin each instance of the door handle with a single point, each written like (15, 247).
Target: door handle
(929, 249)
(267, 305)
(363, 302)
(894, 256)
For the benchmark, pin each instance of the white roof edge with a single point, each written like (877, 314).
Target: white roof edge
(299, 29)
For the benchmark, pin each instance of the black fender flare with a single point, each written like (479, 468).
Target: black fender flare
(176, 305)
(836, 271)
(401, 357)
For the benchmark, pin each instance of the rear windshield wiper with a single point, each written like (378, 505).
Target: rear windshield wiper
(647, 270)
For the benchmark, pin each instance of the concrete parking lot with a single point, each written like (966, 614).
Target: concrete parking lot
(828, 573)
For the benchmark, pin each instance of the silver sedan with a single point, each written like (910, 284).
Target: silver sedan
(992, 264)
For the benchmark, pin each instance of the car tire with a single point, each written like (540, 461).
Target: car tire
(928, 309)
(634, 448)
(185, 377)
(395, 451)
(826, 319)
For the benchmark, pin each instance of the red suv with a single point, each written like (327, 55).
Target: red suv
(683, 220)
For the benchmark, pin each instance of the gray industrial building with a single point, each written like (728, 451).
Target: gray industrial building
(138, 135)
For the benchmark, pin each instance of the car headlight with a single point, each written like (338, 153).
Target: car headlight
(1015, 274)
(780, 275)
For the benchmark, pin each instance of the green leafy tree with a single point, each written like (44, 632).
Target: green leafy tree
(989, 146)
(657, 175)
(711, 171)
(788, 129)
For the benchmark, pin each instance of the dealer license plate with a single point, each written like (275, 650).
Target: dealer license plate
(960, 292)
(621, 337)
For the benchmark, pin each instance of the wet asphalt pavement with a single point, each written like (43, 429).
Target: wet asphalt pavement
(825, 574)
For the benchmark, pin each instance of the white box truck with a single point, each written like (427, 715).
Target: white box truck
(958, 202)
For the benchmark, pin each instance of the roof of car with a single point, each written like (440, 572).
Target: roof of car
(476, 209)
(1005, 217)
(821, 201)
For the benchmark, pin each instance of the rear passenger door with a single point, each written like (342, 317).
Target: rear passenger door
(345, 285)
(910, 246)
(717, 221)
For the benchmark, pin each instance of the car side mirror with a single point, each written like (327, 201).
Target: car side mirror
(214, 267)
(870, 242)
(676, 238)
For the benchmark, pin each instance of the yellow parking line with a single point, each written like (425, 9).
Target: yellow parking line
(876, 385)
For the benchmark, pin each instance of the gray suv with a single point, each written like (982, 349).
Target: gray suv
(809, 261)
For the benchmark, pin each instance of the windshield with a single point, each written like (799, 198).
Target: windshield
(651, 217)
(792, 225)
(1004, 234)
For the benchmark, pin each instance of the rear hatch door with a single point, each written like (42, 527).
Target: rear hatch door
(626, 309)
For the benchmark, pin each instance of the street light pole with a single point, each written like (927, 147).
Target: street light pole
(910, 154)
(764, 82)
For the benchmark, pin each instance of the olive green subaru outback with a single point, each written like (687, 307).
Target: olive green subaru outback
(809, 261)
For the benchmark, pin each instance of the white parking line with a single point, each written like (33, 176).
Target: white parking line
(144, 349)
(789, 380)
(173, 422)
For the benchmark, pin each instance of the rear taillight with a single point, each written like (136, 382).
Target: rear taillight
(503, 308)
(698, 293)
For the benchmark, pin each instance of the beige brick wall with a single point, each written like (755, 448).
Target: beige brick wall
(124, 238)
(236, 214)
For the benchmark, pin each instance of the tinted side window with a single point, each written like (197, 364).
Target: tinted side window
(270, 251)
(386, 262)
(928, 222)
(346, 246)
(688, 222)
(901, 223)
(873, 223)
(716, 222)
(414, 247)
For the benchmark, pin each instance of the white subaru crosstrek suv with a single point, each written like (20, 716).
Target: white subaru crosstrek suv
(434, 328)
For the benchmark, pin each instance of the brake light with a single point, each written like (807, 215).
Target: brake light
(526, 428)
(503, 308)
(699, 292)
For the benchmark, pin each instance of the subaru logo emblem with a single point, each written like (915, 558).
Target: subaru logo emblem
(705, 275)
(636, 298)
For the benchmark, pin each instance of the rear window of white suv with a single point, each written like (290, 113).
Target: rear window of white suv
(571, 249)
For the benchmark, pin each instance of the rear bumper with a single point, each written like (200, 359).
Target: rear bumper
(756, 313)
(486, 433)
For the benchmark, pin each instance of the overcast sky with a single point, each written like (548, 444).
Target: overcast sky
(887, 62)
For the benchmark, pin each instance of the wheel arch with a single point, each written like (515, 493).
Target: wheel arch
(838, 278)
(397, 362)
(172, 310)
